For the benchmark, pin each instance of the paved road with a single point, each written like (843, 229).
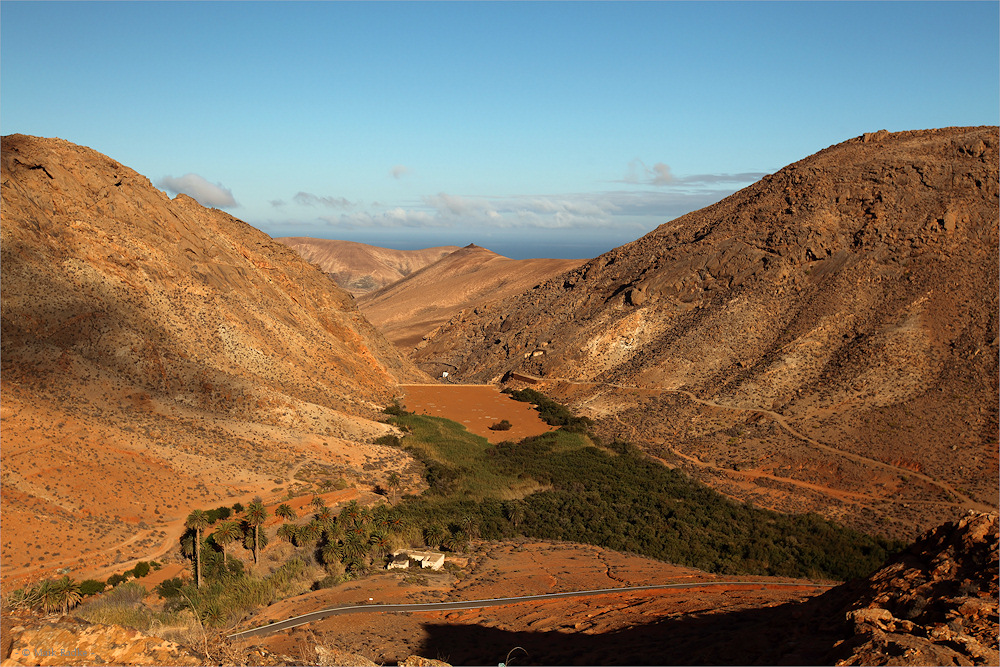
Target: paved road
(296, 621)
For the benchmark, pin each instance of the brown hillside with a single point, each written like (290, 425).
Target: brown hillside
(409, 310)
(825, 339)
(159, 356)
(360, 268)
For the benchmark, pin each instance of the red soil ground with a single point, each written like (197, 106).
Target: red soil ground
(477, 407)
(479, 636)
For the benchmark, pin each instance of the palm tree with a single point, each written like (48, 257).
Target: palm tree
(435, 534)
(331, 553)
(288, 532)
(66, 592)
(45, 595)
(324, 515)
(395, 522)
(310, 532)
(227, 532)
(318, 502)
(352, 511)
(380, 543)
(256, 514)
(456, 541)
(393, 484)
(515, 512)
(197, 520)
(285, 512)
(354, 546)
(470, 526)
(380, 516)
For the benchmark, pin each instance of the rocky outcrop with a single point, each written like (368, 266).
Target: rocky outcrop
(853, 294)
(934, 604)
(72, 642)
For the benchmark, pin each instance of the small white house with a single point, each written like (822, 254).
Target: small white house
(398, 562)
(433, 560)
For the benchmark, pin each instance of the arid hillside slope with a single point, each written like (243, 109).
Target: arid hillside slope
(360, 268)
(158, 355)
(409, 310)
(824, 339)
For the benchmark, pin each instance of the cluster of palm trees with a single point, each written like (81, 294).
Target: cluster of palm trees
(48, 595)
(227, 532)
(355, 538)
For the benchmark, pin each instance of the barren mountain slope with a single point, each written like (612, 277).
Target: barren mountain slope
(361, 268)
(158, 356)
(837, 322)
(412, 308)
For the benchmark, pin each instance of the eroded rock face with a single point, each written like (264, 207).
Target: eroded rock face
(72, 642)
(934, 604)
(853, 293)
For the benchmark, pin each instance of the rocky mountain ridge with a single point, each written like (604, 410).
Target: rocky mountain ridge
(846, 303)
(360, 268)
(409, 310)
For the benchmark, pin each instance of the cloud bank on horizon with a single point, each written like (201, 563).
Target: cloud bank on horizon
(659, 195)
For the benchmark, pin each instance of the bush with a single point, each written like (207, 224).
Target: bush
(395, 410)
(141, 569)
(389, 440)
(170, 588)
(218, 514)
(116, 579)
(502, 425)
(91, 587)
(552, 412)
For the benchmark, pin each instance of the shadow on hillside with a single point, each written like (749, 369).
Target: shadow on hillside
(795, 633)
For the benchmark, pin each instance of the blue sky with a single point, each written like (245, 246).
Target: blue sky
(534, 129)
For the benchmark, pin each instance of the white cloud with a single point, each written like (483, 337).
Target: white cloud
(205, 193)
(660, 174)
(398, 171)
(455, 205)
(392, 218)
(309, 199)
(277, 203)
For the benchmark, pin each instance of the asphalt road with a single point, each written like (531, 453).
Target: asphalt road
(296, 621)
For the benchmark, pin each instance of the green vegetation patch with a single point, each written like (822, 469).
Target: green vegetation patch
(457, 462)
(612, 496)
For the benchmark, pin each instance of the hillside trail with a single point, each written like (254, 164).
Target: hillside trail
(751, 475)
(964, 501)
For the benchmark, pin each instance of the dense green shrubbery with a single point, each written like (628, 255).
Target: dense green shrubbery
(616, 498)
(551, 412)
(91, 587)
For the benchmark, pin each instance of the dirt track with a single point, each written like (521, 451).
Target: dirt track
(964, 501)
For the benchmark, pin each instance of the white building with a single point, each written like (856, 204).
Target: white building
(428, 559)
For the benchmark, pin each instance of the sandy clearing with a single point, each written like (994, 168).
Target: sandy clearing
(477, 407)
